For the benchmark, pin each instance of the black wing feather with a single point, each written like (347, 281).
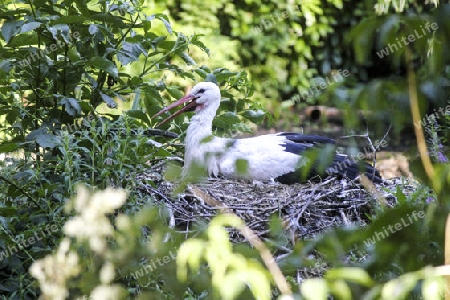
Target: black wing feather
(341, 165)
(306, 138)
(297, 143)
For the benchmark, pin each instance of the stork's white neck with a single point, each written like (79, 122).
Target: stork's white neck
(200, 128)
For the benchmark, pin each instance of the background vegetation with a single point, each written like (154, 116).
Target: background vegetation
(79, 113)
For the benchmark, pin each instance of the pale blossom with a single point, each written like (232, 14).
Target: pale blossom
(53, 271)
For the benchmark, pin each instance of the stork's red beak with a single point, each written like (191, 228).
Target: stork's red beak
(190, 106)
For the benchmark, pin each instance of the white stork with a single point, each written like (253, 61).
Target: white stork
(272, 156)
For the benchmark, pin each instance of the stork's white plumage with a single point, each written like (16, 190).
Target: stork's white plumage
(271, 156)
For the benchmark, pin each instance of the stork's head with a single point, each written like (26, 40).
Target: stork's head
(203, 98)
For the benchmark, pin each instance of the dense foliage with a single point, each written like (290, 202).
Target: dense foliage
(65, 69)
(79, 82)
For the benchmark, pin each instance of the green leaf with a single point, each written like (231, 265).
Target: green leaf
(108, 100)
(211, 78)
(180, 44)
(147, 25)
(233, 284)
(201, 72)
(401, 197)
(10, 28)
(8, 147)
(223, 74)
(175, 93)
(13, 13)
(340, 289)
(74, 19)
(23, 176)
(5, 66)
(130, 52)
(241, 166)
(8, 211)
(314, 289)
(72, 106)
(356, 275)
(389, 30)
(82, 7)
(431, 288)
(172, 171)
(187, 59)
(152, 100)
(48, 140)
(254, 115)
(189, 254)
(195, 41)
(362, 37)
(164, 19)
(161, 42)
(400, 287)
(12, 115)
(226, 120)
(73, 55)
(30, 26)
(104, 64)
(62, 30)
(24, 40)
(138, 114)
(108, 18)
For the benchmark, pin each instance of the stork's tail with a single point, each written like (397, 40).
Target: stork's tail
(344, 166)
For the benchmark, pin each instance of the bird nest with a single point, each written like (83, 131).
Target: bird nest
(305, 209)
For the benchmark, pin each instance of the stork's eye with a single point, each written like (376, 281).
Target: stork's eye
(201, 91)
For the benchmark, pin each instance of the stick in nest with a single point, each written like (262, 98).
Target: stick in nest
(373, 148)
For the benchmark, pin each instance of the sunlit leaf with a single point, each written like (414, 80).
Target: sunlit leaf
(242, 166)
(399, 288)
(189, 254)
(356, 275)
(432, 288)
(314, 289)
(340, 289)
(163, 18)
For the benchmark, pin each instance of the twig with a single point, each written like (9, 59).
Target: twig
(171, 222)
(268, 259)
(374, 149)
(370, 187)
(20, 190)
(414, 104)
(447, 256)
(384, 137)
(160, 132)
(155, 191)
(147, 132)
(17, 243)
